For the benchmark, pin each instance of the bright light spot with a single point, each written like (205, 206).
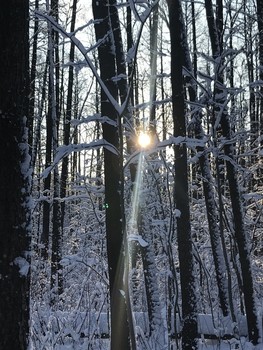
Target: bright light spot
(144, 140)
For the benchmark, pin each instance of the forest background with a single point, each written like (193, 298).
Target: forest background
(108, 241)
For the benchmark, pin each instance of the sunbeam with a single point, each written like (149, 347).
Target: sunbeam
(136, 191)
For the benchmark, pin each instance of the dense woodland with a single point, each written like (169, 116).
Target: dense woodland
(108, 242)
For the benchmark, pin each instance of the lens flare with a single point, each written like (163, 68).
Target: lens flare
(144, 140)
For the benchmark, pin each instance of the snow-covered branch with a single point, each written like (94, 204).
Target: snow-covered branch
(64, 151)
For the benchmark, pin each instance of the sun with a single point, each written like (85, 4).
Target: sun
(144, 140)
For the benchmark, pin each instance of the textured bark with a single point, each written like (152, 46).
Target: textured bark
(14, 176)
(156, 322)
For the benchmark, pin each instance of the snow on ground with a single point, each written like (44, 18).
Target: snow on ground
(59, 330)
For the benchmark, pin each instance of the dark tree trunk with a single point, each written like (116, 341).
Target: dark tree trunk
(153, 62)
(238, 216)
(241, 238)
(260, 30)
(121, 71)
(194, 38)
(119, 54)
(54, 11)
(33, 80)
(51, 120)
(68, 116)
(144, 201)
(14, 176)
(254, 120)
(37, 131)
(127, 117)
(112, 169)
(215, 230)
(56, 281)
(44, 237)
(185, 247)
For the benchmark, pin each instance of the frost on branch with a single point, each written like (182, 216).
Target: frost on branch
(139, 239)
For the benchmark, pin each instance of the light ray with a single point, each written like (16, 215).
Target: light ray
(136, 191)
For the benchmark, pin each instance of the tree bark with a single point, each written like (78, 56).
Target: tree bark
(157, 334)
(68, 116)
(56, 282)
(153, 63)
(181, 196)
(260, 30)
(33, 80)
(238, 216)
(14, 176)
(215, 229)
(120, 338)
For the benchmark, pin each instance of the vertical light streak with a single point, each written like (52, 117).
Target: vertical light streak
(136, 192)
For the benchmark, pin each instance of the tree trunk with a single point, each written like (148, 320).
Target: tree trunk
(68, 117)
(241, 238)
(260, 30)
(33, 80)
(56, 282)
(181, 196)
(157, 334)
(254, 120)
(153, 63)
(14, 176)
(112, 169)
(215, 230)
(238, 217)
(37, 131)
(44, 237)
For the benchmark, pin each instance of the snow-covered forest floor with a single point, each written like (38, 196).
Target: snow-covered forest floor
(79, 319)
